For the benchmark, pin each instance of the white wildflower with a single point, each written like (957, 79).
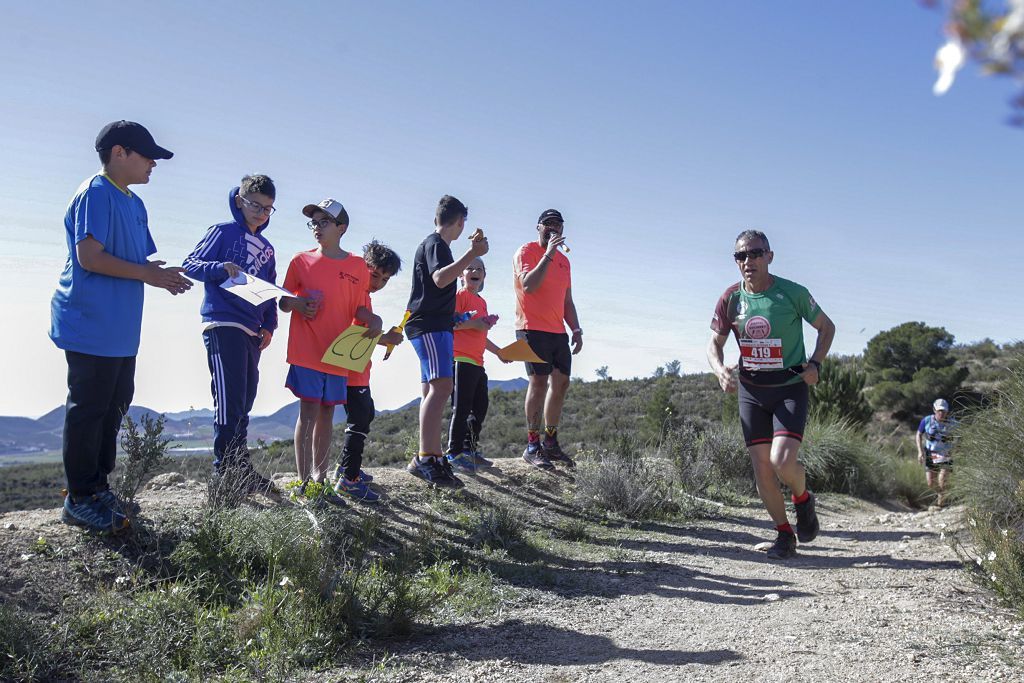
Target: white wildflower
(121, 580)
(977, 561)
(973, 523)
(991, 557)
(993, 578)
(1004, 532)
(948, 60)
(285, 582)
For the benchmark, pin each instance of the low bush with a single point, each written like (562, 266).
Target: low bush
(989, 479)
(634, 487)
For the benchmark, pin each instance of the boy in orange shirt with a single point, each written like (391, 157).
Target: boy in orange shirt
(469, 399)
(349, 478)
(330, 287)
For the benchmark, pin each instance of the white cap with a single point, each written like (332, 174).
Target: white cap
(332, 207)
(941, 404)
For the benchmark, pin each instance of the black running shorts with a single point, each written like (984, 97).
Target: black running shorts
(767, 412)
(930, 464)
(552, 347)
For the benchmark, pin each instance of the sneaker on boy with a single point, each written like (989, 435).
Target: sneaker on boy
(480, 460)
(93, 514)
(96, 311)
(235, 331)
(433, 471)
(358, 489)
(463, 462)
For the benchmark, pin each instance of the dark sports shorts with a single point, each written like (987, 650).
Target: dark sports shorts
(768, 412)
(930, 464)
(552, 347)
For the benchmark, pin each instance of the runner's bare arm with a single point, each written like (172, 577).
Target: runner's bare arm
(920, 447)
(573, 320)
(716, 359)
(826, 333)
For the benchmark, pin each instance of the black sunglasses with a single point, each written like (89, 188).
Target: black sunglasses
(742, 256)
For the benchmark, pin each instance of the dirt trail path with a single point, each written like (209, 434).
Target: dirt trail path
(878, 597)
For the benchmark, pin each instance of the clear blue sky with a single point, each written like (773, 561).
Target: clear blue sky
(659, 129)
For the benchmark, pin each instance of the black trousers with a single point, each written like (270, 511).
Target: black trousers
(469, 407)
(100, 389)
(360, 411)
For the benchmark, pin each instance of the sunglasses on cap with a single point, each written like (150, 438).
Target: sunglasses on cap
(742, 256)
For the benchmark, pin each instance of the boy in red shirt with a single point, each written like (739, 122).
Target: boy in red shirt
(330, 287)
(350, 479)
(469, 398)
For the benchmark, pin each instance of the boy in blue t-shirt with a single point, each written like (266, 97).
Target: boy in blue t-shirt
(236, 331)
(432, 312)
(96, 316)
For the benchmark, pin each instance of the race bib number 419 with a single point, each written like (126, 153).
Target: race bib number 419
(761, 354)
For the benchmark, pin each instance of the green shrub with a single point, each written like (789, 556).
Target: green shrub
(497, 527)
(710, 457)
(634, 487)
(840, 394)
(989, 478)
(145, 454)
(27, 651)
(838, 458)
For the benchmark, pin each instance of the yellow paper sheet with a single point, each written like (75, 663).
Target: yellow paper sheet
(519, 350)
(351, 350)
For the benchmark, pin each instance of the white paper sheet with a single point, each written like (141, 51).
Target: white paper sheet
(253, 289)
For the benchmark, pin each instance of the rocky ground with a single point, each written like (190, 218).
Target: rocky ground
(880, 596)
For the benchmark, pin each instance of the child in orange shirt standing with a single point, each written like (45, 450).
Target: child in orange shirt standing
(469, 398)
(330, 287)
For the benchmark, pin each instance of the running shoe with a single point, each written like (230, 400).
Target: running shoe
(463, 462)
(432, 471)
(359, 490)
(93, 514)
(480, 460)
(115, 503)
(330, 496)
(534, 455)
(449, 472)
(555, 453)
(339, 474)
(806, 520)
(784, 546)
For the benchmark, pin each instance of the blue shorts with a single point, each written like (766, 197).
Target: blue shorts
(437, 355)
(318, 387)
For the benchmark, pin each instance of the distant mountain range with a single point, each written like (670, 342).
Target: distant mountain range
(23, 435)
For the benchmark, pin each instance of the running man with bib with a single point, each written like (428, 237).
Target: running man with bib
(933, 448)
(766, 314)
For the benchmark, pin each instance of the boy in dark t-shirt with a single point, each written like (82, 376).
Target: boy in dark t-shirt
(429, 329)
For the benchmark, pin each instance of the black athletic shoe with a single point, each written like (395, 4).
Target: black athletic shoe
(252, 481)
(535, 456)
(554, 452)
(784, 546)
(806, 520)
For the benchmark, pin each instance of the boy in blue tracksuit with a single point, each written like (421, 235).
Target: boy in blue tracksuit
(236, 331)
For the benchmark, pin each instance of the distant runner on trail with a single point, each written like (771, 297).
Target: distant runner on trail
(766, 313)
(933, 447)
(544, 306)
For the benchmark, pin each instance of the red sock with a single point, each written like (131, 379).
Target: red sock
(785, 527)
(803, 497)
(532, 435)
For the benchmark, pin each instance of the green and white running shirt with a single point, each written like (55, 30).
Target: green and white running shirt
(769, 328)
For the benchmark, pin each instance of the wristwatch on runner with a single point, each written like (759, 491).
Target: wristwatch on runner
(816, 364)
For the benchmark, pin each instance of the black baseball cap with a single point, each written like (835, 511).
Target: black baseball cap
(551, 214)
(132, 135)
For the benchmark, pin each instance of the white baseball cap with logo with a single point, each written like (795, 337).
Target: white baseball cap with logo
(332, 207)
(940, 404)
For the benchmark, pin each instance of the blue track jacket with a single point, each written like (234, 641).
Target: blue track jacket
(252, 253)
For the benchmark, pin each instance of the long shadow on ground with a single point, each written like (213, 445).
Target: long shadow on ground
(550, 645)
